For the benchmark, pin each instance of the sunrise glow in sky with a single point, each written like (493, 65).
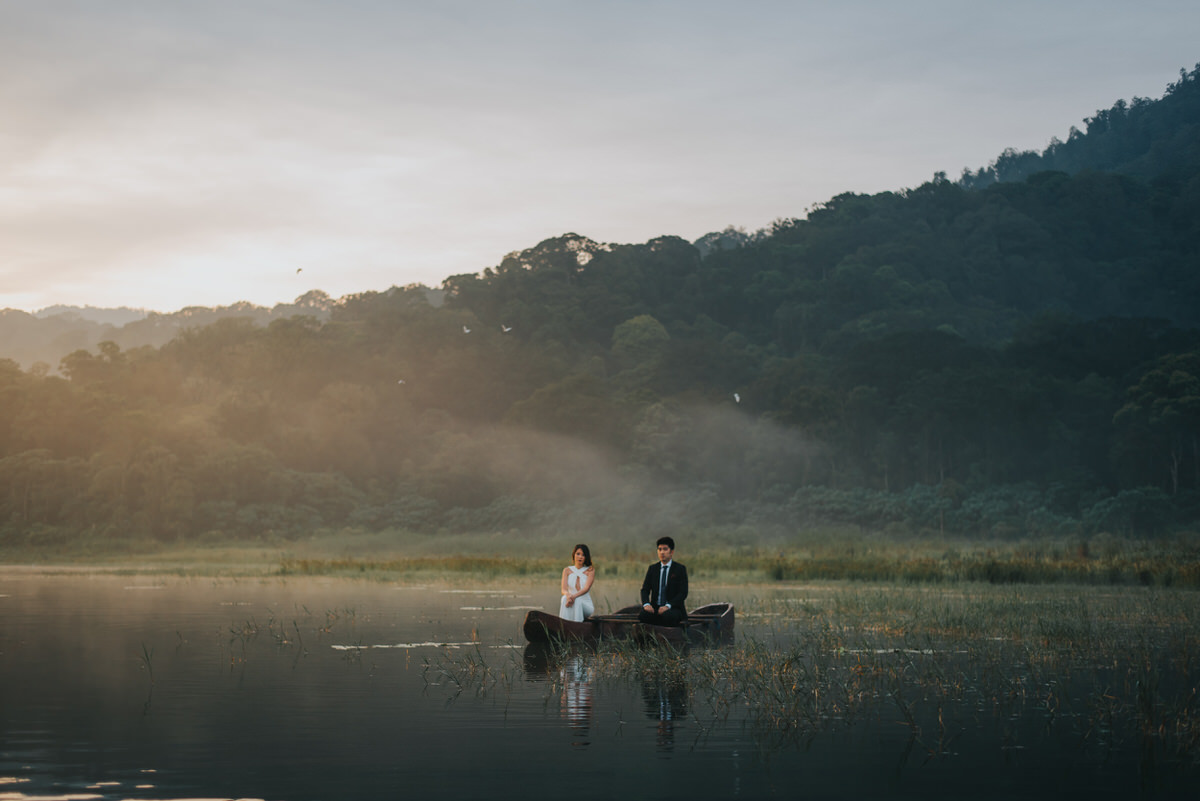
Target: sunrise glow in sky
(162, 154)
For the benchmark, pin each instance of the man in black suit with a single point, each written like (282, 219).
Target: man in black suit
(665, 588)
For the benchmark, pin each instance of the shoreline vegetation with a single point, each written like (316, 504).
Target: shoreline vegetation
(1099, 561)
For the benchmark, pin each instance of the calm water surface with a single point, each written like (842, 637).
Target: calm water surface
(287, 690)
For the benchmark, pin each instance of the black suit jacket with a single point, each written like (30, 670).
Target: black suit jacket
(677, 586)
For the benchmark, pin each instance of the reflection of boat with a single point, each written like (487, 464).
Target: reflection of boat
(708, 624)
(538, 660)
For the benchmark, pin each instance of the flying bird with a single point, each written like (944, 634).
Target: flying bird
(466, 330)
(505, 328)
(401, 381)
(298, 269)
(737, 398)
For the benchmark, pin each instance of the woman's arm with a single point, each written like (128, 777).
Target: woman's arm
(589, 577)
(566, 591)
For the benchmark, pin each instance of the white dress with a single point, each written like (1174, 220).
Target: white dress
(583, 606)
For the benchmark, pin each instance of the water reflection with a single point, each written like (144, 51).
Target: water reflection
(573, 670)
(577, 672)
(666, 703)
(539, 660)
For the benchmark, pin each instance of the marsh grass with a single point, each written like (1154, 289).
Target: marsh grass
(286, 632)
(479, 567)
(147, 657)
(736, 555)
(1163, 569)
(1102, 560)
(1108, 670)
(471, 670)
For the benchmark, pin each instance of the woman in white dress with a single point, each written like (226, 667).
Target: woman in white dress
(577, 585)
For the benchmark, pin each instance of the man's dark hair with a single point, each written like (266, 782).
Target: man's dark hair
(667, 541)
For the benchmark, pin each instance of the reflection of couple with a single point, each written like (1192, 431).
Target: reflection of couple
(577, 695)
(575, 672)
(666, 704)
(664, 589)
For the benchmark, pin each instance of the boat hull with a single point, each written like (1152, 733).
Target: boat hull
(545, 627)
(707, 625)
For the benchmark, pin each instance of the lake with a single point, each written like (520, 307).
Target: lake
(288, 689)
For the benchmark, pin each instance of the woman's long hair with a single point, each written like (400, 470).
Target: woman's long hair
(587, 555)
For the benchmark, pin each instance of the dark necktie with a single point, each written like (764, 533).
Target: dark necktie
(662, 586)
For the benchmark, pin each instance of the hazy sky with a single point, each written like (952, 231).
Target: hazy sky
(159, 154)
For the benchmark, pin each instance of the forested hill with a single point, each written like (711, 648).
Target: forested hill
(1019, 359)
(1070, 238)
(1148, 139)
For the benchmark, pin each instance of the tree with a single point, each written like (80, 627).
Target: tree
(1162, 414)
(639, 340)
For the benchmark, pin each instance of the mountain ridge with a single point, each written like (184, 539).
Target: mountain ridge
(1129, 138)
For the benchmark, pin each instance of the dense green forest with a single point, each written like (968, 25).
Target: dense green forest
(1014, 354)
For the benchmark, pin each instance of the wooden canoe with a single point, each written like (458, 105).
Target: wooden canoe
(706, 625)
(545, 627)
